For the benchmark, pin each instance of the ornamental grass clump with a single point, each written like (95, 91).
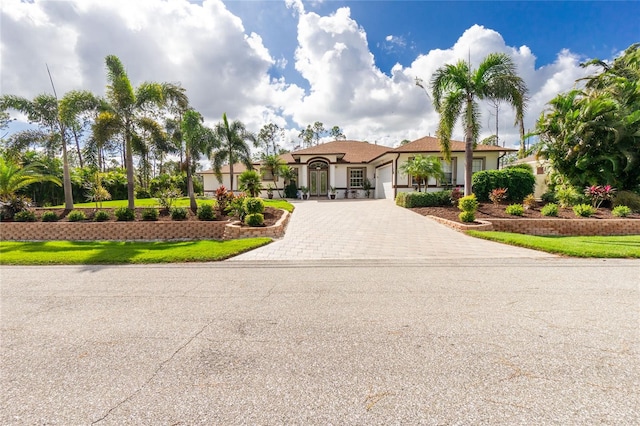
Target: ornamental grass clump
(468, 205)
(515, 210)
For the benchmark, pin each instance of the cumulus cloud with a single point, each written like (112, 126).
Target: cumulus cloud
(225, 68)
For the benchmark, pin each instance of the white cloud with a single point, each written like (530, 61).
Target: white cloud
(226, 69)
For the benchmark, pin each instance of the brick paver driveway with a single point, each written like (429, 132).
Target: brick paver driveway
(373, 229)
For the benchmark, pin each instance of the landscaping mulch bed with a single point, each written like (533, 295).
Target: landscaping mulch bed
(488, 211)
(271, 215)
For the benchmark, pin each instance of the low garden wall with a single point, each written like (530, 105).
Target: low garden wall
(566, 227)
(137, 231)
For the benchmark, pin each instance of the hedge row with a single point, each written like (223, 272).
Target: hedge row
(519, 182)
(423, 199)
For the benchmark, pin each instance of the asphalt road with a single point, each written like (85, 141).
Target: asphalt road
(515, 341)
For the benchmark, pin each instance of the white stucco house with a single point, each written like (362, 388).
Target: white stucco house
(345, 165)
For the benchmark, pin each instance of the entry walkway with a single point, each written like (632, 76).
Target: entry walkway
(374, 229)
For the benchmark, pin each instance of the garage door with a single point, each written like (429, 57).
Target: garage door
(384, 187)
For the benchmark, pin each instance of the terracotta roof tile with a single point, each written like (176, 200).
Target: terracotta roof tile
(353, 151)
(431, 144)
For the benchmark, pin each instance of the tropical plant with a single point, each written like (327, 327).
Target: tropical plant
(272, 165)
(567, 196)
(422, 168)
(249, 182)
(231, 141)
(598, 194)
(96, 192)
(14, 177)
(223, 198)
(593, 135)
(515, 209)
(498, 195)
(198, 140)
(456, 90)
(125, 114)
(529, 202)
(583, 210)
(166, 197)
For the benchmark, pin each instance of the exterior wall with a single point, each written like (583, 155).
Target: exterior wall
(137, 231)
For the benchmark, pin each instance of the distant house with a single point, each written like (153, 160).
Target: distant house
(541, 170)
(345, 165)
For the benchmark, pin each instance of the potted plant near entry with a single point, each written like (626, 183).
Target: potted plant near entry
(270, 191)
(332, 192)
(305, 192)
(366, 185)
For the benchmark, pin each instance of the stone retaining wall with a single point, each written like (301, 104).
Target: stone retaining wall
(585, 227)
(136, 231)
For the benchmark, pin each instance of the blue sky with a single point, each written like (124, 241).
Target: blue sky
(355, 66)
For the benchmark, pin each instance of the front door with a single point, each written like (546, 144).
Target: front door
(318, 179)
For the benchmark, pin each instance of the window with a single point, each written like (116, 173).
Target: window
(356, 178)
(448, 168)
(266, 174)
(477, 165)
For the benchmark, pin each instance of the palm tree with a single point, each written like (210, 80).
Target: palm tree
(44, 111)
(198, 140)
(456, 90)
(14, 177)
(232, 142)
(272, 164)
(423, 168)
(73, 106)
(124, 115)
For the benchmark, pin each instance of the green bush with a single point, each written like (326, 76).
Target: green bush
(468, 203)
(522, 166)
(206, 212)
(291, 190)
(426, 199)
(550, 209)
(143, 193)
(253, 205)
(568, 196)
(150, 214)
(101, 216)
(621, 211)
(76, 216)
(124, 214)
(254, 219)
(549, 197)
(49, 216)
(515, 210)
(584, 210)
(25, 216)
(519, 181)
(178, 213)
(629, 199)
(401, 199)
(467, 216)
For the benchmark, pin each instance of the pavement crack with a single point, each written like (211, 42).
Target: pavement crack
(269, 292)
(153, 375)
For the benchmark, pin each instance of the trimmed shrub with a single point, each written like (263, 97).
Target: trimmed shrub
(291, 190)
(515, 210)
(629, 199)
(550, 209)
(254, 219)
(467, 217)
(621, 211)
(49, 216)
(76, 216)
(178, 213)
(25, 216)
(519, 181)
(253, 205)
(468, 203)
(124, 214)
(583, 210)
(101, 216)
(150, 214)
(427, 199)
(206, 212)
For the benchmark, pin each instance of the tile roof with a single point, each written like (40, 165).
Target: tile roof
(351, 151)
(431, 144)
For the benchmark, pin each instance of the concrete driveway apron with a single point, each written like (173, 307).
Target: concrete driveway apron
(374, 229)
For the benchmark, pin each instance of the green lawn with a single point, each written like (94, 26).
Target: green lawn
(627, 246)
(112, 252)
(180, 202)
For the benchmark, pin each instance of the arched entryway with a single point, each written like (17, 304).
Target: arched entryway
(318, 178)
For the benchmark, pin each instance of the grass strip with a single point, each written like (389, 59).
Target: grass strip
(180, 202)
(625, 246)
(114, 252)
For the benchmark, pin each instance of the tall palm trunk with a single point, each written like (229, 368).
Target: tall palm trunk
(468, 149)
(231, 170)
(129, 165)
(66, 178)
(192, 197)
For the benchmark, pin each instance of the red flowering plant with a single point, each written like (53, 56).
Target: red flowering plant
(599, 194)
